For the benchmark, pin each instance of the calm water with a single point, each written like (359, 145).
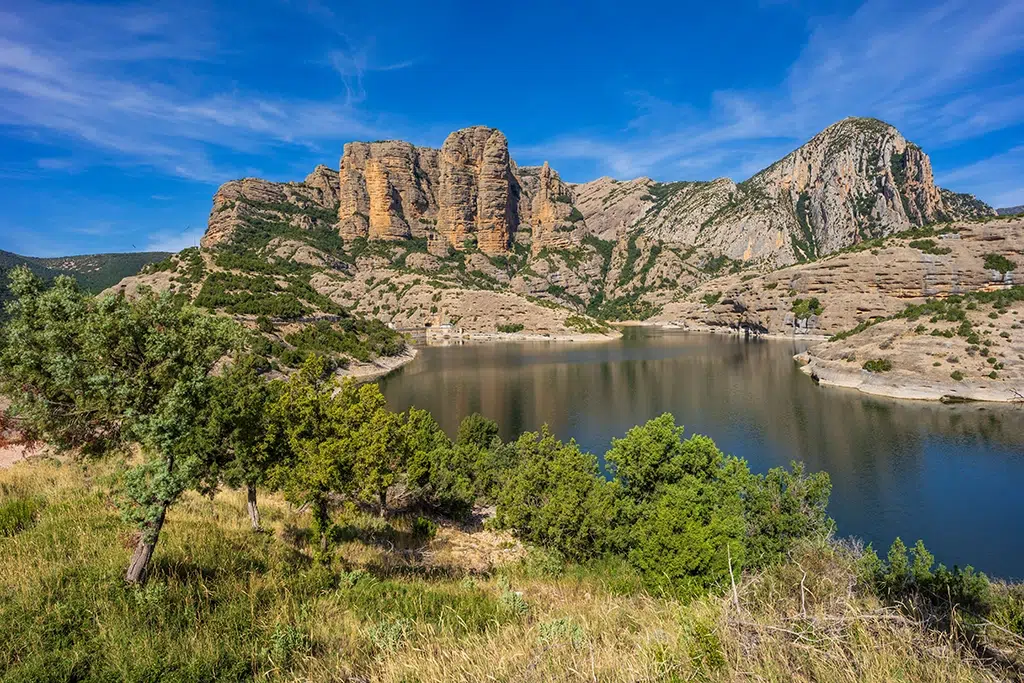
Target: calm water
(951, 475)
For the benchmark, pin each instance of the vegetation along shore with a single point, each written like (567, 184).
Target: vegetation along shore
(197, 521)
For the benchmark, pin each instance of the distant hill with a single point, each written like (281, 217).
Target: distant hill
(1010, 210)
(94, 272)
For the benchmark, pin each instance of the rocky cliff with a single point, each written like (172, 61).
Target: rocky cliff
(466, 215)
(856, 180)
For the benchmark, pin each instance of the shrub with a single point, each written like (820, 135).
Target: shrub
(999, 263)
(878, 365)
(929, 246)
(805, 308)
(424, 528)
(510, 328)
(557, 498)
(711, 298)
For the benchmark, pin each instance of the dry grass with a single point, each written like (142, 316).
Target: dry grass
(470, 605)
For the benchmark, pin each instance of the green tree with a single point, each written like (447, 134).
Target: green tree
(437, 470)
(378, 442)
(244, 447)
(111, 374)
(691, 534)
(477, 430)
(782, 507)
(655, 455)
(310, 420)
(558, 498)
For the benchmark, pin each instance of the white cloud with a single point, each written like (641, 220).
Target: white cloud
(112, 77)
(173, 240)
(999, 179)
(933, 73)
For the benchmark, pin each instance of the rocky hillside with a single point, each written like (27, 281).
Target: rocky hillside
(462, 241)
(856, 180)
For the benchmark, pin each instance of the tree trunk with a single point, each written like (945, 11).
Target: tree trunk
(383, 503)
(143, 552)
(321, 528)
(254, 512)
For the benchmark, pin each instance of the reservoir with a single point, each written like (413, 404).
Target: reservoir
(951, 475)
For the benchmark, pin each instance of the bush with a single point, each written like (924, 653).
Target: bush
(999, 263)
(711, 298)
(557, 498)
(424, 528)
(929, 246)
(803, 309)
(510, 328)
(878, 365)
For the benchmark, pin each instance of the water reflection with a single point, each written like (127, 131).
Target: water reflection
(948, 474)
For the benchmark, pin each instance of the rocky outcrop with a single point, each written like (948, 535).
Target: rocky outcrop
(302, 205)
(478, 196)
(548, 208)
(856, 180)
(854, 286)
(387, 190)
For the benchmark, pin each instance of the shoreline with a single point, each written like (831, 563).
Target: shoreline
(710, 329)
(899, 385)
(486, 337)
(381, 367)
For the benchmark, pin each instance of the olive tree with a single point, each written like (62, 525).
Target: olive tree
(112, 375)
(243, 447)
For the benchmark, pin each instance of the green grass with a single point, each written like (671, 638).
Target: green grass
(223, 603)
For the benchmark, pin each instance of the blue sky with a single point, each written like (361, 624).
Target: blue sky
(119, 120)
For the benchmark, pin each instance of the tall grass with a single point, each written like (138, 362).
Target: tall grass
(224, 603)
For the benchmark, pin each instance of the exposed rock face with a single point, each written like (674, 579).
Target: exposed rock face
(323, 182)
(856, 180)
(478, 196)
(853, 287)
(611, 206)
(238, 200)
(386, 190)
(548, 208)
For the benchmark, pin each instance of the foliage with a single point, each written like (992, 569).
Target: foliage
(878, 365)
(510, 328)
(584, 325)
(999, 263)
(804, 308)
(557, 498)
(359, 338)
(929, 246)
(711, 298)
(783, 507)
(101, 375)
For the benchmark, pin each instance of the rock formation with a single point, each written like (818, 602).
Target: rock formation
(478, 196)
(386, 190)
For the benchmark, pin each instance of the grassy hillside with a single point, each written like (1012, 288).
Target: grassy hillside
(94, 272)
(224, 603)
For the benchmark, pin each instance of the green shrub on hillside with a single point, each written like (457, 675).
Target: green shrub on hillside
(878, 365)
(999, 263)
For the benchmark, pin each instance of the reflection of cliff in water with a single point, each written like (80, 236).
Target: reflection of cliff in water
(721, 386)
(945, 473)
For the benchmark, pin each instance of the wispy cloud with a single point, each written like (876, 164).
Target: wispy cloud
(935, 74)
(998, 178)
(118, 79)
(173, 240)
